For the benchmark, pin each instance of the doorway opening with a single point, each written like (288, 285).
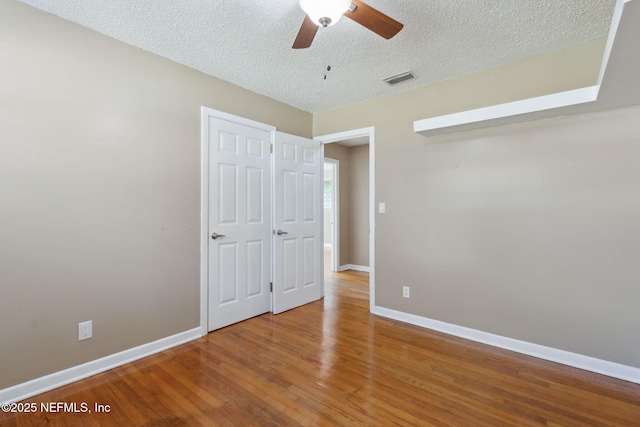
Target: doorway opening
(355, 217)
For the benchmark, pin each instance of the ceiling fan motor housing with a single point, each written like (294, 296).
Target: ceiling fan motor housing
(325, 13)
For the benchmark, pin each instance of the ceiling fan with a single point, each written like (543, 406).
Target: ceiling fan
(324, 13)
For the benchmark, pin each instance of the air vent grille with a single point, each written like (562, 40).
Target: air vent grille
(399, 78)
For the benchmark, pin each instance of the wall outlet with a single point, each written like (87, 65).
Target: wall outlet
(406, 292)
(85, 330)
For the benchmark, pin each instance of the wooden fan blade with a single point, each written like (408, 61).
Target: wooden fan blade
(374, 20)
(306, 34)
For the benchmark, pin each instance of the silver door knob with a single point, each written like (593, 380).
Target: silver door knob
(214, 236)
(280, 232)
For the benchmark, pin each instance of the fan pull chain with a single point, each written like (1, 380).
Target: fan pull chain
(328, 69)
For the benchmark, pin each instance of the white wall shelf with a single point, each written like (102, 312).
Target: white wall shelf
(617, 86)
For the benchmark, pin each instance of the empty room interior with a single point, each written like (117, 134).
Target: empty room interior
(303, 212)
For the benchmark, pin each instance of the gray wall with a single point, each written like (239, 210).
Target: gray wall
(359, 205)
(354, 202)
(99, 190)
(528, 231)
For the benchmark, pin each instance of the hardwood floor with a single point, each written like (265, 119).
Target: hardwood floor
(332, 363)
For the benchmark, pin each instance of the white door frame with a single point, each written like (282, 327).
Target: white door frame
(370, 132)
(204, 202)
(335, 199)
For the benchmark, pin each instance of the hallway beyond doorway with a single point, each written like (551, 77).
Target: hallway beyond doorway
(348, 283)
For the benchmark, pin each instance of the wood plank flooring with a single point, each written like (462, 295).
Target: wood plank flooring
(331, 363)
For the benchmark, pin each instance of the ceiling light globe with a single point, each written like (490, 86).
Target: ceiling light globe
(325, 13)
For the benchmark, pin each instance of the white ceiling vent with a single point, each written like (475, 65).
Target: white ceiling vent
(399, 78)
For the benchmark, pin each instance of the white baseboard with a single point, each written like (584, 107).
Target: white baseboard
(67, 376)
(604, 367)
(354, 267)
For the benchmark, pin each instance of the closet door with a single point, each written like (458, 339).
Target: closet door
(298, 211)
(239, 259)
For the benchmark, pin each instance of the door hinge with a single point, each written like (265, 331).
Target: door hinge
(271, 148)
(270, 286)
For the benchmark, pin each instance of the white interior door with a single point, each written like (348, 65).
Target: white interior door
(239, 259)
(298, 239)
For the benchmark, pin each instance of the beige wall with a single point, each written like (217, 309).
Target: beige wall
(354, 202)
(528, 231)
(343, 155)
(359, 205)
(99, 190)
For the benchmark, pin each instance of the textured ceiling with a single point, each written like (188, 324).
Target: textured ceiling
(249, 42)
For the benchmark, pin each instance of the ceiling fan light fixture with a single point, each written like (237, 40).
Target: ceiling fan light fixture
(325, 13)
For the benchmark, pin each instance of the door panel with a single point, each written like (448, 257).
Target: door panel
(289, 195)
(228, 256)
(298, 179)
(308, 266)
(289, 265)
(240, 212)
(255, 267)
(228, 194)
(255, 184)
(308, 197)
